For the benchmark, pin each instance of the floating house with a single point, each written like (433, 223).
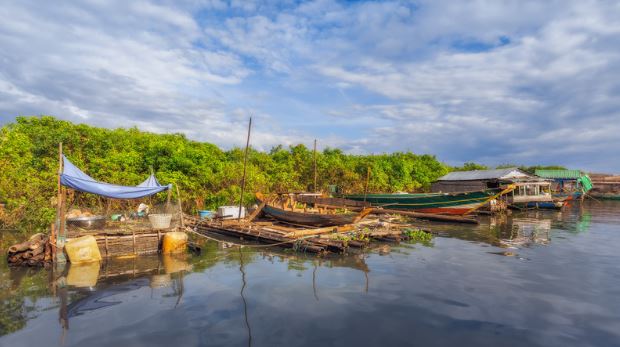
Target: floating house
(530, 191)
(606, 186)
(567, 184)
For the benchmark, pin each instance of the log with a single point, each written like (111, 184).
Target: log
(427, 216)
(20, 247)
(38, 251)
(36, 237)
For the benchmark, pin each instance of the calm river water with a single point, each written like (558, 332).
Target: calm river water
(530, 279)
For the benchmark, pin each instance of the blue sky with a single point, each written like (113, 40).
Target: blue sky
(495, 82)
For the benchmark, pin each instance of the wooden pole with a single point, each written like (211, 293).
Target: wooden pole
(245, 161)
(180, 206)
(315, 188)
(60, 229)
(367, 181)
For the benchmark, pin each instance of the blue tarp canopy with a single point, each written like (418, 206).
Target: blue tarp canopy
(73, 177)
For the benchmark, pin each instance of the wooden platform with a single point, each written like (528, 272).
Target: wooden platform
(304, 239)
(133, 240)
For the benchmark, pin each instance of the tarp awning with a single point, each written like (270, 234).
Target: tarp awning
(74, 178)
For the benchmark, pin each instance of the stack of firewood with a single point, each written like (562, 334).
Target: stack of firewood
(37, 251)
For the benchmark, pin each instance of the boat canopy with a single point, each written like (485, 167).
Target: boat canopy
(74, 178)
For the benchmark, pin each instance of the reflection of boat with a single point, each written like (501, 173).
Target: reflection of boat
(441, 203)
(312, 219)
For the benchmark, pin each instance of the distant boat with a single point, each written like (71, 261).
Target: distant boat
(311, 219)
(535, 195)
(438, 203)
(605, 196)
(567, 196)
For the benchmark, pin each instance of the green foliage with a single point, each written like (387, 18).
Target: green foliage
(418, 235)
(470, 166)
(206, 175)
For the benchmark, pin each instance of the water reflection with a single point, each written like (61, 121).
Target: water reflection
(444, 295)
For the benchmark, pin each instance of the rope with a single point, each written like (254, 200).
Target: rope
(255, 246)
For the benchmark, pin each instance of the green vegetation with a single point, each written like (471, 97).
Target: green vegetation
(418, 235)
(206, 175)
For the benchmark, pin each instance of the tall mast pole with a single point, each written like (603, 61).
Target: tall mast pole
(367, 181)
(60, 214)
(245, 161)
(315, 188)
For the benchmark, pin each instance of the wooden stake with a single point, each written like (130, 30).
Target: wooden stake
(245, 161)
(367, 181)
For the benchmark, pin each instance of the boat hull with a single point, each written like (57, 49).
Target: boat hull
(310, 219)
(567, 196)
(544, 205)
(438, 203)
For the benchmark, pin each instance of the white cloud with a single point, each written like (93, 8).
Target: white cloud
(511, 81)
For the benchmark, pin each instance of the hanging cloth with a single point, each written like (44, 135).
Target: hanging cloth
(74, 178)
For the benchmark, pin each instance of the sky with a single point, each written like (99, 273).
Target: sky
(494, 82)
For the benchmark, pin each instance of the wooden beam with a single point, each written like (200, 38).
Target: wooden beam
(256, 212)
(319, 231)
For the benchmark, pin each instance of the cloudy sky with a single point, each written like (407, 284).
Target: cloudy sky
(488, 81)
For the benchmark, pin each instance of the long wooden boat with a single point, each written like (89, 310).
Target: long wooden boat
(439, 203)
(311, 219)
(605, 196)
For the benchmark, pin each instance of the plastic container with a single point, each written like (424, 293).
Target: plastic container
(206, 214)
(82, 250)
(230, 212)
(174, 242)
(160, 221)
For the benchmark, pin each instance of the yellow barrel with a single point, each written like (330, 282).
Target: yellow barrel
(174, 242)
(82, 249)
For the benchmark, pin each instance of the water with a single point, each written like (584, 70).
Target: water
(532, 279)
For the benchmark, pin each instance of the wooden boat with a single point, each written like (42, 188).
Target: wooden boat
(534, 194)
(543, 205)
(438, 203)
(311, 219)
(605, 196)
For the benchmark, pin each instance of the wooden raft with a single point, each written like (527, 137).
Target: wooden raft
(313, 240)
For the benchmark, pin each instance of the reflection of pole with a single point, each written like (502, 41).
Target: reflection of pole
(245, 161)
(63, 317)
(245, 303)
(314, 283)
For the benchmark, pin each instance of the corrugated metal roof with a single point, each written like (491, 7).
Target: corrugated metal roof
(508, 173)
(570, 174)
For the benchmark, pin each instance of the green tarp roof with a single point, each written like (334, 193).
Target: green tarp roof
(567, 174)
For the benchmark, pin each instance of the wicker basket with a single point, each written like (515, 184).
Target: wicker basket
(160, 221)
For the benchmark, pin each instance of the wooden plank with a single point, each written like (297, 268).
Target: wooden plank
(319, 231)
(256, 212)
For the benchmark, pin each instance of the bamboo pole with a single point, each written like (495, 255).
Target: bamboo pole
(367, 181)
(180, 205)
(245, 161)
(60, 230)
(314, 155)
